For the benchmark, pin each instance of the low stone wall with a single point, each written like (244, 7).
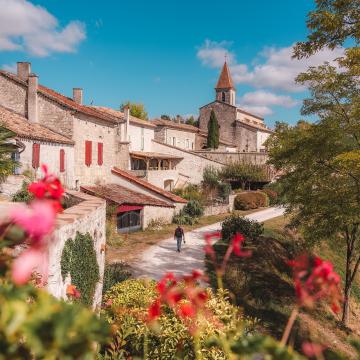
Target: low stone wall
(216, 209)
(11, 185)
(89, 216)
(229, 157)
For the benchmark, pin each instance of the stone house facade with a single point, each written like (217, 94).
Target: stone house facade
(246, 131)
(96, 136)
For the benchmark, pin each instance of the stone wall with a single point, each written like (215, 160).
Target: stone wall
(13, 95)
(216, 209)
(88, 216)
(157, 212)
(11, 185)
(245, 137)
(229, 157)
(183, 139)
(158, 177)
(192, 165)
(140, 137)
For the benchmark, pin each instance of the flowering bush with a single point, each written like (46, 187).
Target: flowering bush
(33, 324)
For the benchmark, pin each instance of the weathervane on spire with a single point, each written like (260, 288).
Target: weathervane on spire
(225, 56)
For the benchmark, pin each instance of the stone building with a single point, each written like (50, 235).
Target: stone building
(246, 131)
(98, 141)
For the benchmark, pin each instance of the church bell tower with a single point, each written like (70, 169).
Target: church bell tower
(225, 90)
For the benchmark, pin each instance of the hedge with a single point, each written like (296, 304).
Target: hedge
(251, 200)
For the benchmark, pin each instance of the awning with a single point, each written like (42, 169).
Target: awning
(126, 208)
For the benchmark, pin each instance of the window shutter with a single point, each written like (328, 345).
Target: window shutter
(35, 155)
(88, 152)
(100, 153)
(62, 160)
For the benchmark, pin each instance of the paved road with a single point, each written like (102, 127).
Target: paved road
(163, 257)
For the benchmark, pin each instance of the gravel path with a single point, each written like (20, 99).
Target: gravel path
(163, 257)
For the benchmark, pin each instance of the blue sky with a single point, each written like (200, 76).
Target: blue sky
(165, 54)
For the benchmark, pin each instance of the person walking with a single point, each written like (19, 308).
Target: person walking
(179, 236)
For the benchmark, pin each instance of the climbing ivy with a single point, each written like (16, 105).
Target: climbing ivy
(79, 260)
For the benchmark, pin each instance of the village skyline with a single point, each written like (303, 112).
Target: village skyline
(173, 66)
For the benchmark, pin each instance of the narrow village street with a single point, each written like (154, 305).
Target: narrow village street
(163, 257)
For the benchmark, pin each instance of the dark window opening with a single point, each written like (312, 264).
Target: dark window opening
(129, 221)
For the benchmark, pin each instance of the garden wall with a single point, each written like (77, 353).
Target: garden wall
(216, 209)
(88, 216)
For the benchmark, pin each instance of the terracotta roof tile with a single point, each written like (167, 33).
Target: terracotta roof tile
(120, 115)
(147, 185)
(63, 100)
(23, 128)
(154, 155)
(120, 195)
(225, 81)
(174, 125)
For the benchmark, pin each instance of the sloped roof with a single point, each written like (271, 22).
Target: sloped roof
(255, 126)
(147, 185)
(204, 134)
(23, 128)
(154, 155)
(174, 125)
(120, 115)
(225, 80)
(121, 195)
(63, 100)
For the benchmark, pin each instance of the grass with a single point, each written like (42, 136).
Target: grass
(127, 247)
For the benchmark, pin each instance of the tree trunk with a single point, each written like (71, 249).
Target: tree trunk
(346, 305)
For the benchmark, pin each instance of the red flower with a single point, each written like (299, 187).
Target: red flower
(315, 280)
(154, 310)
(237, 241)
(210, 238)
(72, 291)
(312, 350)
(186, 310)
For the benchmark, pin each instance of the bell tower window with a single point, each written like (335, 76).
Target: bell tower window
(223, 96)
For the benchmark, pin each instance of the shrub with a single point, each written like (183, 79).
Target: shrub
(156, 224)
(238, 224)
(115, 273)
(193, 208)
(251, 200)
(184, 219)
(79, 260)
(171, 340)
(272, 195)
(224, 190)
(23, 195)
(190, 192)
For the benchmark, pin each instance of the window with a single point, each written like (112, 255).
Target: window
(100, 153)
(62, 160)
(174, 141)
(35, 156)
(187, 143)
(223, 97)
(130, 220)
(88, 152)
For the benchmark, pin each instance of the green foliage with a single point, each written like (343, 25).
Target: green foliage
(210, 177)
(213, 132)
(244, 172)
(184, 219)
(251, 200)
(165, 117)
(190, 192)
(238, 224)
(193, 208)
(7, 165)
(79, 260)
(272, 194)
(191, 121)
(115, 273)
(224, 190)
(171, 340)
(23, 195)
(35, 325)
(136, 109)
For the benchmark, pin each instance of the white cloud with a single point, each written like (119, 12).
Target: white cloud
(31, 28)
(9, 67)
(260, 102)
(213, 53)
(273, 67)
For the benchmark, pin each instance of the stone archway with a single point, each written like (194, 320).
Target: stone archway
(169, 184)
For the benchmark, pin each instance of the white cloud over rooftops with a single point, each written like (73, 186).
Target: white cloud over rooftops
(31, 28)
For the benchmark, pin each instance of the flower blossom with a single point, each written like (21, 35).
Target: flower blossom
(72, 291)
(312, 350)
(315, 280)
(236, 243)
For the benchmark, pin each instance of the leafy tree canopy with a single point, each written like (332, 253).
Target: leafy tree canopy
(136, 109)
(7, 164)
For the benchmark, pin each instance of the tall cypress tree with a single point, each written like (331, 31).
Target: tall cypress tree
(213, 132)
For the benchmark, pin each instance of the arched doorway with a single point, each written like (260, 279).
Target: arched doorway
(169, 185)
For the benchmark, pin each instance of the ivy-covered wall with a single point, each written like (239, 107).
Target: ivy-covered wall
(88, 219)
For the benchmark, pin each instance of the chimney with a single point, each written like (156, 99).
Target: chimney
(23, 70)
(127, 125)
(78, 95)
(32, 98)
(178, 119)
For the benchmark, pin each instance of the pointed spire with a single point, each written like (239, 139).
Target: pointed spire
(225, 81)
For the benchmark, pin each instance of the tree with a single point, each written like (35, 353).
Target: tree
(191, 121)
(213, 132)
(136, 109)
(243, 172)
(165, 117)
(7, 164)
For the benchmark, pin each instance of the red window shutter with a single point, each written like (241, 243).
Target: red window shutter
(88, 152)
(62, 160)
(100, 153)
(35, 156)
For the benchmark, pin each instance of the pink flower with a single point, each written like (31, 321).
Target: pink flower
(37, 220)
(28, 261)
(312, 350)
(237, 241)
(72, 291)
